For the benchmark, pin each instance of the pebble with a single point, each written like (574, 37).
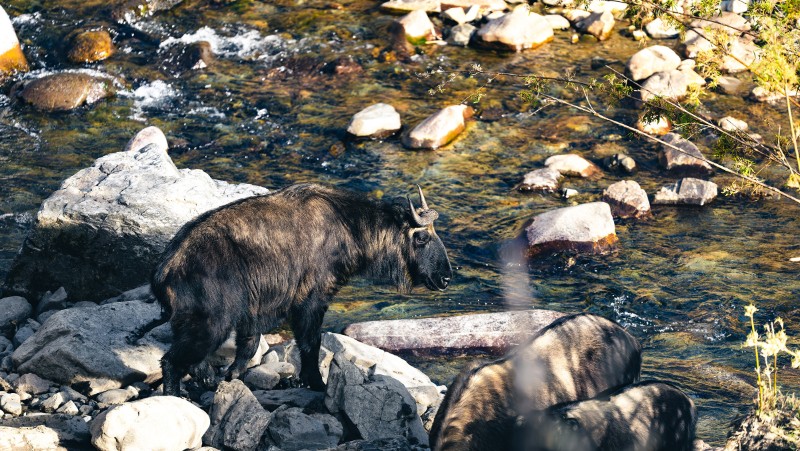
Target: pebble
(11, 404)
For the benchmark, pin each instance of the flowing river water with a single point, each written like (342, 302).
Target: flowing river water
(264, 113)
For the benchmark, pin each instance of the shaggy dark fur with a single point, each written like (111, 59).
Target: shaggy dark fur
(248, 265)
(649, 416)
(574, 358)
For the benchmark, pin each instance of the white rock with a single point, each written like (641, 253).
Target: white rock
(38, 438)
(117, 396)
(660, 29)
(461, 34)
(52, 403)
(485, 5)
(599, 25)
(582, 228)
(518, 30)
(11, 57)
(731, 124)
(438, 129)
(456, 15)
(670, 85)
(741, 54)
(647, 62)
(557, 22)
(627, 200)
(545, 179)
(69, 408)
(735, 6)
(11, 403)
(687, 191)
(378, 120)
(572, 165)
(159, 422)
(262, 377)
(404, 6)
(418, 26)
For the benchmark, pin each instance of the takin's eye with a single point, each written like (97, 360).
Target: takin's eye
(421, 238)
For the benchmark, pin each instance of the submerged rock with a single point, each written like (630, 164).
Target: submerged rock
(104, 230)
(438, 129)
(492, 332)
(91, 46)
(517, 30)
(729, 124)
(160, 422)
(131, 11)
(627, 200)
(687, 159)
(687, 191)
(66, 91)
(647, 62)
(585, 228)
(376, 121)
(545, 179)
(12, 59)
(98, 347)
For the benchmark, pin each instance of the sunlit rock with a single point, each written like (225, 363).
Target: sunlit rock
(598, 24)
(725, 21)
(11, 57)
(585, 228)
(456, 15)
(545, 179)
(518, 30)
(406, 6)
(687, 191)
(730, 85)
(740, 55)
(44, 432)
(657, 126)
(66, 91)
(670, 85)
(627, 200)
(131, 11)
(375, 121)
(417, 26)
(646, 62)
(91, 46)
(687, 158)
(659, 28)
(732, 124)
(572, 165)
(557, 22)
(461, 34)
(439, 128)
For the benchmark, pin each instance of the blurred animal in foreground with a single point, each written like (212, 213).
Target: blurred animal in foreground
(248, 265)
(649, 416)
(575, 358)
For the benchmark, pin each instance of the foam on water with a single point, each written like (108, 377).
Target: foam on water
(248, 44)
(150, 96)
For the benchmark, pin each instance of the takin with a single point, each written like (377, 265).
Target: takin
(248, 265)
(574, 358)
(649, 416)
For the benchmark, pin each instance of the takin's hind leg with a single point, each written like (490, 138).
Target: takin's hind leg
(192, 342)
(246, 347)
(203, 373)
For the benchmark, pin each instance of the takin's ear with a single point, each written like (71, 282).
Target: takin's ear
(400, 210)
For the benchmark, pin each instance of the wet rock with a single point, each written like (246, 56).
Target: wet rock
(376, 406)
(196, 56)
(406, 6)
(658, 126)
(731, 124)
(627, 200)
(557, 22)
(12, 59)
(661, 29)
(374, 361)
(66, 91)
(670, 85)
(376, 121)
(461, 34)
(687, 191)
(91, 46)
(60, 430)
(491, 332)
(14, 311)
(293, 397)
(11, 403)
(688, 158)
(599, 25)
(292, 430)
(262, 378)
(116, 396)
(572, 165)
(540, 180)
(518, 30)
(585, 228)
(31, 383)
(620, 161)
(104, 340)
(238, 421)
(647, 62)
(160, 422)
(131, 11)
(439, 128)
(418, 27)
(85, 232)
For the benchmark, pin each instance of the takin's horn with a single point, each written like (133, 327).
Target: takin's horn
(425, 216)
(422, 198)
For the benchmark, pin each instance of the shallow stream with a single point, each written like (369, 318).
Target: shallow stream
(265, 113)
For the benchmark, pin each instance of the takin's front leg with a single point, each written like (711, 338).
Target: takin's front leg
(306, 321)
(246, 347)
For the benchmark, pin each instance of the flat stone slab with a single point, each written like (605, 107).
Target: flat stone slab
(687, 191)
(687, 159)
(492, 332)
(586, 228)
(438, 129)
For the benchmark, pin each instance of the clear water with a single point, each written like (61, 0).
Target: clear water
(259, 115)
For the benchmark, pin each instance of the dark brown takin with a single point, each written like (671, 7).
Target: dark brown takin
(574, 358)
(648, 416)
(247, 266)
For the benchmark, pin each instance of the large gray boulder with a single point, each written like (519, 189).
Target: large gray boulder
(103, 231)
(585, 228)
(376, 406)
(98, 347)
(493, 332)
(238, 422)
(160, 422)
(293, 430)
(14, 311)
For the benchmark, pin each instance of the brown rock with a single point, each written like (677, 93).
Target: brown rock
(91, 46)
(585, 228)
(65, 91)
